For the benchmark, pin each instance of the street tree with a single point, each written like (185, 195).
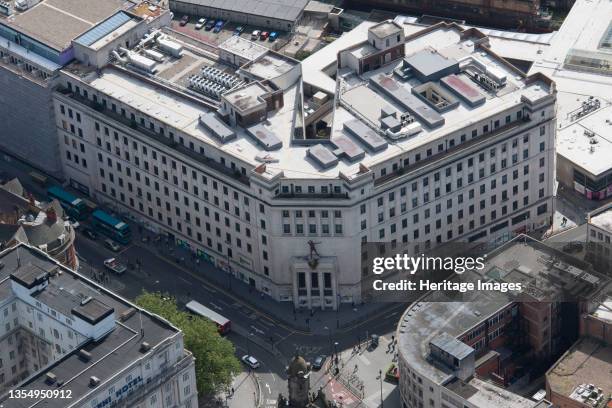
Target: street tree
(215, 362)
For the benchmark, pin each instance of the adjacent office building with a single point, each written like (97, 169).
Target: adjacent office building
(276, 172)
(579, 59)
(469, 353)
(37, 39)
(63, 332)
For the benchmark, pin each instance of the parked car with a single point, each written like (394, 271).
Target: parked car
(89, 233)
(318, 362)
(184, 21)
(264, 36)
(238, 30)
(112, 245)
(115, 266)
(200, 24)
(218, 26)
(273, 36)
(250, 361)
(255, 35)
(209, 25)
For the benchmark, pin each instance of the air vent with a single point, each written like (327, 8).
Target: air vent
(84, 355)
(50, 378)
(94, 381)
(144, 347)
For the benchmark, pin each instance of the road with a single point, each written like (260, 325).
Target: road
(271, 343)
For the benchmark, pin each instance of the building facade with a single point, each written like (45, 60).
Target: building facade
(528, 15)
(468, 354)
(263, 201)
(61, 331)
(32, 52)
(281, 15)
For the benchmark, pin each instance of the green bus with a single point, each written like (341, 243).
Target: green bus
(106, 224)
(74, 206)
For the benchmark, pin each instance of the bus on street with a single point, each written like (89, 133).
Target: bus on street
(74, 206)
(106, 224)
(223, 325)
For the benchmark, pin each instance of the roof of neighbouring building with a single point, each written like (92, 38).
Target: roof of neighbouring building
(56, 23)
(74, 295)
(288, 10)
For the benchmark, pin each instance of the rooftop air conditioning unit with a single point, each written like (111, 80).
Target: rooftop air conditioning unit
(94, 381)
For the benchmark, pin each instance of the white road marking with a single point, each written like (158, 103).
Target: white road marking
(267, 323)
(215, 306)
(257, 330)
(391, 315)
(365, 360)
(206, 288)
(185, 280)
(269, 389)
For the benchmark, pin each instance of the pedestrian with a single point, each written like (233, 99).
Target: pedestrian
(232, 390)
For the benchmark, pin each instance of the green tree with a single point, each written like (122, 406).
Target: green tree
(215, 362)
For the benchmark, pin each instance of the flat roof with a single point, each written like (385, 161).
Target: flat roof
(56, 23)
(361, 102)
(109, 355)
(243, 48)
(603, 220)
(270, 65)
(385, 29)
(288, 10)
(587, 142)
(247, 96)
(582, 364)
(582, 32)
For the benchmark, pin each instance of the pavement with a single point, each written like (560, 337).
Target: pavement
(357, 383)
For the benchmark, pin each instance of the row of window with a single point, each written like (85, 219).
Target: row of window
(441, 147)
(438, 189)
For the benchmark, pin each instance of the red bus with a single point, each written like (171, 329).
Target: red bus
(223, 325)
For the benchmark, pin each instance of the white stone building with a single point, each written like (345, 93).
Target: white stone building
(464, 150)
(62, 332)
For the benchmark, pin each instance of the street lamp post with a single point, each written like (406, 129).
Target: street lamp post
(381, 395)
(330, 339)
